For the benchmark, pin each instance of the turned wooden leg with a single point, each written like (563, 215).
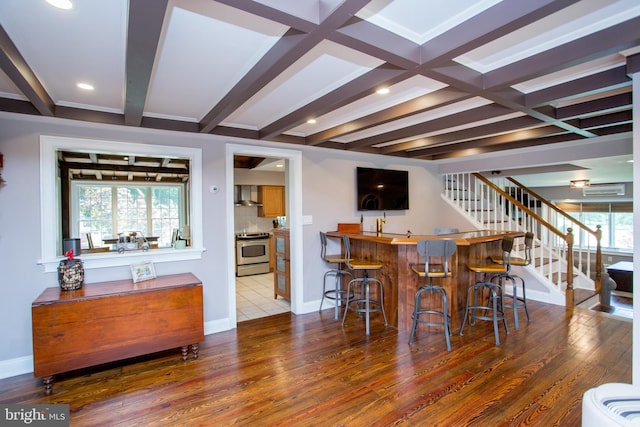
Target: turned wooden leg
(48, 384)
(194, 350)
(185, 352)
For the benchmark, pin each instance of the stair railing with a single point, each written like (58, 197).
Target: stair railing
(589, 261)
(493, 208)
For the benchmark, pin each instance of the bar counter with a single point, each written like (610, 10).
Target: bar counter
(398, 252)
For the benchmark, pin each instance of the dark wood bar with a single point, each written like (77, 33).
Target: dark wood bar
(398, 253)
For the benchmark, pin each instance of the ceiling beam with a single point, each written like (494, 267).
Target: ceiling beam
(290, 48)
(510, 125)
(339, 97)
(589, 85)
(595, 45)
(302, 24)
(611, 103)
(437, 99)
(507, 97)
(143, 35)
(491, 24)
(488, 141)
(17, 69)
(534, 142)
(458, 119)
(375, 41)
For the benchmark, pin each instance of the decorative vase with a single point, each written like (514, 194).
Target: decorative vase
(71, 274)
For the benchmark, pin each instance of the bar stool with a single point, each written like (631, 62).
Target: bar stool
(337, 293)
(492, 303)
(443, 249)
(362, 301)
(516, 301)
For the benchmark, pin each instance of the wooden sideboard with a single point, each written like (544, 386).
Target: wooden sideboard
(110, 321)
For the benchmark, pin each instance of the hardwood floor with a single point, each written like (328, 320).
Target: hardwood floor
(307, 370)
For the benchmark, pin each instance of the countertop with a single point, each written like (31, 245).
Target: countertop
(464, 238)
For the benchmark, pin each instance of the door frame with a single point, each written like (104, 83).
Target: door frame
(293, 201)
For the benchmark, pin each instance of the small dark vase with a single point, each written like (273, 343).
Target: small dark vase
(70, 274)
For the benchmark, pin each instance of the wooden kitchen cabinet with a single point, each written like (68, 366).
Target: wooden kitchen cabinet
(272, 199)
(281, 271)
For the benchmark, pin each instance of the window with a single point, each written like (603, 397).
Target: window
(106, 210)
(615, 219)
(58, 216)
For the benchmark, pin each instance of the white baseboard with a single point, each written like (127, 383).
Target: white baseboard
(17, 366)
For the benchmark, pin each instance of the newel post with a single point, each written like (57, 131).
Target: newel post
(569, 297)
(598, 278)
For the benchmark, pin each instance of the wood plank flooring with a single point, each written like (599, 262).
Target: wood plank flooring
(308, 371)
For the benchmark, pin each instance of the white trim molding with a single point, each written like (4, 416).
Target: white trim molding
(50, 201)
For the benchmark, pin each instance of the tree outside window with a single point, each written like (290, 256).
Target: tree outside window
(104, 210)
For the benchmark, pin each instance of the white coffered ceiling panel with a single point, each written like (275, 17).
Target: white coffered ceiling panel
(581, 19)
(420, 21)
(191, 73)
(325, 68)
(85, 44)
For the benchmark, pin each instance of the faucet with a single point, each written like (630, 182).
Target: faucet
(379, 222)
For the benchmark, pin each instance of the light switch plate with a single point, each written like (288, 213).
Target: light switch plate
(307, 219)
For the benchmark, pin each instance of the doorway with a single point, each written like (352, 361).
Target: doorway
(260, 193)
(293, 179)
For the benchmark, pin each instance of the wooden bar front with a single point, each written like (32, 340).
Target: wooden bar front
(399, 252)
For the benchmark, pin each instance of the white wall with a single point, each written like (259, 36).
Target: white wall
(328, 198)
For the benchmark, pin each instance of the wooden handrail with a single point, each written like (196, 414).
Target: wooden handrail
(520, 205)
(552, 206)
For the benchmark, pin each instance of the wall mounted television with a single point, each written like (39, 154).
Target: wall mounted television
(382, 189)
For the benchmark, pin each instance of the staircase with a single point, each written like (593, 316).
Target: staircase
(566, 266)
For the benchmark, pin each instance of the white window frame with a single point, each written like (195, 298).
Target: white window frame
(50, 220)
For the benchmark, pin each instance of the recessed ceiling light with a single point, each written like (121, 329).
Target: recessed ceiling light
(85, 86)
(311, 121)
(383, 91)
(61, 4)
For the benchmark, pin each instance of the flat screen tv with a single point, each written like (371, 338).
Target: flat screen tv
(382, 189)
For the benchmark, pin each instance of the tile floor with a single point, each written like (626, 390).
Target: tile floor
(254, 298)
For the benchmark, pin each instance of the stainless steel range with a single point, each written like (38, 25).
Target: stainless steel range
(252, 253)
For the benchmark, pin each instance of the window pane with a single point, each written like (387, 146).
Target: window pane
(94, 213)
(132, 209)
(592, 220)
(623, 230)
(165, 213)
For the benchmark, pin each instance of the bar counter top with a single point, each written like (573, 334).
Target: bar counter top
(464, 238)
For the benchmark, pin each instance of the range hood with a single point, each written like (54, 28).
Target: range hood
(246, 195)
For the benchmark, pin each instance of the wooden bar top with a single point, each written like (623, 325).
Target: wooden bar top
(105, 289)
(465, 238)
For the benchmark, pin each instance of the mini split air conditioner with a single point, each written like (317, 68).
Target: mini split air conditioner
(604, 190)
